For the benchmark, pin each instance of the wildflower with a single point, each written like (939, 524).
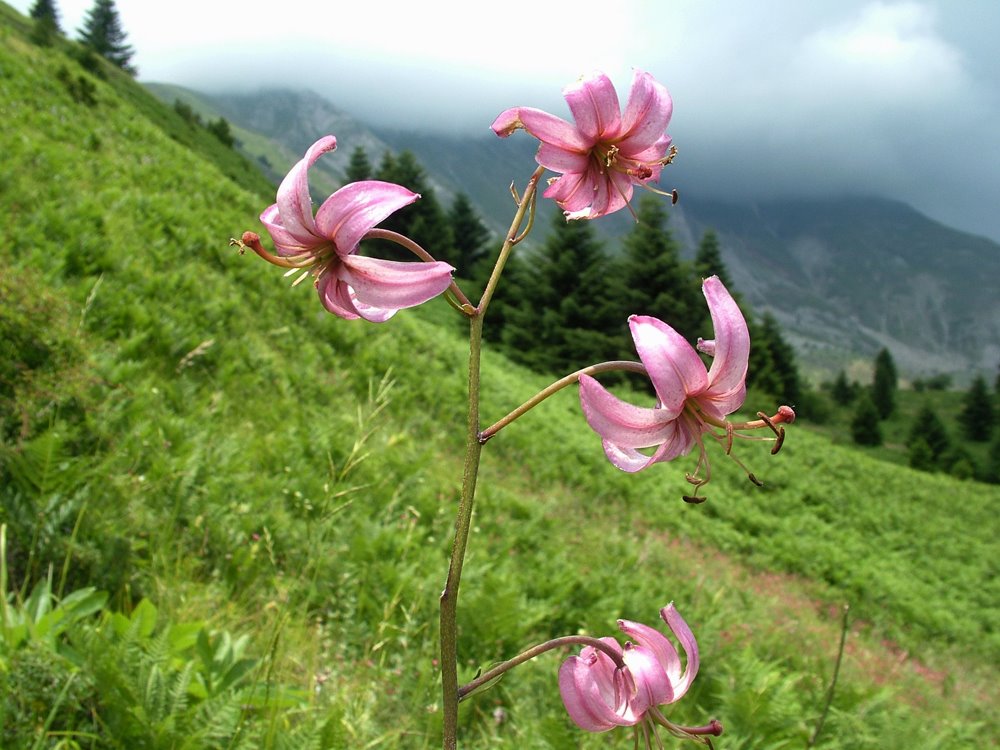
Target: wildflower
(607, 151)
(325, 246)
(599, 696)
(690, 400)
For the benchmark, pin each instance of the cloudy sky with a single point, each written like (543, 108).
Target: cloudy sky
(771, 98)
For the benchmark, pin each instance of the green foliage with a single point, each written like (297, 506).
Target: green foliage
(772, 366)
(221, 130)
(977, 415)
(102, 32)
(202, 436)
(564, 318)
(928, 429)
(471, 237)
(45, 30)
(653, 279)
(883, 392)
(865, 428)
(841, 391)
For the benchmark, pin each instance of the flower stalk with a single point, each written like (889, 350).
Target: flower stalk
(473, 449)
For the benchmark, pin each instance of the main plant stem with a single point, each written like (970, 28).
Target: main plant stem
(473, 450)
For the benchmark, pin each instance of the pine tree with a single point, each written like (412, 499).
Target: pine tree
(708, 260)
(977, 415)
(865, 427)
(46, 18)
(928, 428)
(102, 32)
(653, 278)
(841, 391)
(920, 455)
(359, 168)
(884, 385)
(469, 234)
(563, 317)
(769, 348)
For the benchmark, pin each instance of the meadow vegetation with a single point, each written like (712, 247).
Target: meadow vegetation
(227, 514)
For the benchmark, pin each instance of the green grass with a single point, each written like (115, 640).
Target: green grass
(181, 428)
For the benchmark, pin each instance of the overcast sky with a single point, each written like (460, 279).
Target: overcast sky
(771, 98)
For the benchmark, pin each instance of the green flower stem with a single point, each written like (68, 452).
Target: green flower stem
(555, 388)
(463, 521)
(541, 648)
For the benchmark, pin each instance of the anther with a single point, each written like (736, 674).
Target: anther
(755, 480)
(674, 197)
(778, 440)
(694, 499)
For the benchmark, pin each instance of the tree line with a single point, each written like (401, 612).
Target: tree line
(102, 32)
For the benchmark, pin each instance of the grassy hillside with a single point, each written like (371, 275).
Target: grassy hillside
(265, 495)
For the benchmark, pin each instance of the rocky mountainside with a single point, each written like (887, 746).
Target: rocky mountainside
(844, 276)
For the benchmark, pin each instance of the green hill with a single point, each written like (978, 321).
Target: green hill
(265, 494)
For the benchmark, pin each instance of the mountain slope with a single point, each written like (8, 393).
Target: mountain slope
(229, 449)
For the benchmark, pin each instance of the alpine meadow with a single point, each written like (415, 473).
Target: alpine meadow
(226, 514)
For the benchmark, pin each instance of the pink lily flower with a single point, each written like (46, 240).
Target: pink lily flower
(607, 151)
(599, 696)
(690, 399)
(349, 285)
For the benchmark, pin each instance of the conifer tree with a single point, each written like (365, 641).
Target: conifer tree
(775, 358)
(358, 168)
(920, 455)
(992, 470)
(884, 385)
(841, 391)
(46, 18)
(708, 260)
(564, 318)
(977, 415)
(865, 428)
(653, 278)
(102, 32)
(928, 428)
(469, 234)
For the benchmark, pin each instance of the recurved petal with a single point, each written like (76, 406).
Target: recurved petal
(621, 423)
(732, 339)
(336, 297)
(594, 104)
(573, 191)
(646, 115)
(391, 284)
(356, 208)
(662, 650)
(673, 366)
(293, 200)
(579, 678)
(544, 126)
(683, 634)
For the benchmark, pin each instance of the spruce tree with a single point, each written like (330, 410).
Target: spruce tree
(653, 278)
(563, 318)
(708, 260)
(766, 337)
(928, 428)
(884, 385)
(102, 32)
(920, 455)
(865, 427)
(358, 168)
(841, 391)
(977, 415)
(46, 18)
(469, 234)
